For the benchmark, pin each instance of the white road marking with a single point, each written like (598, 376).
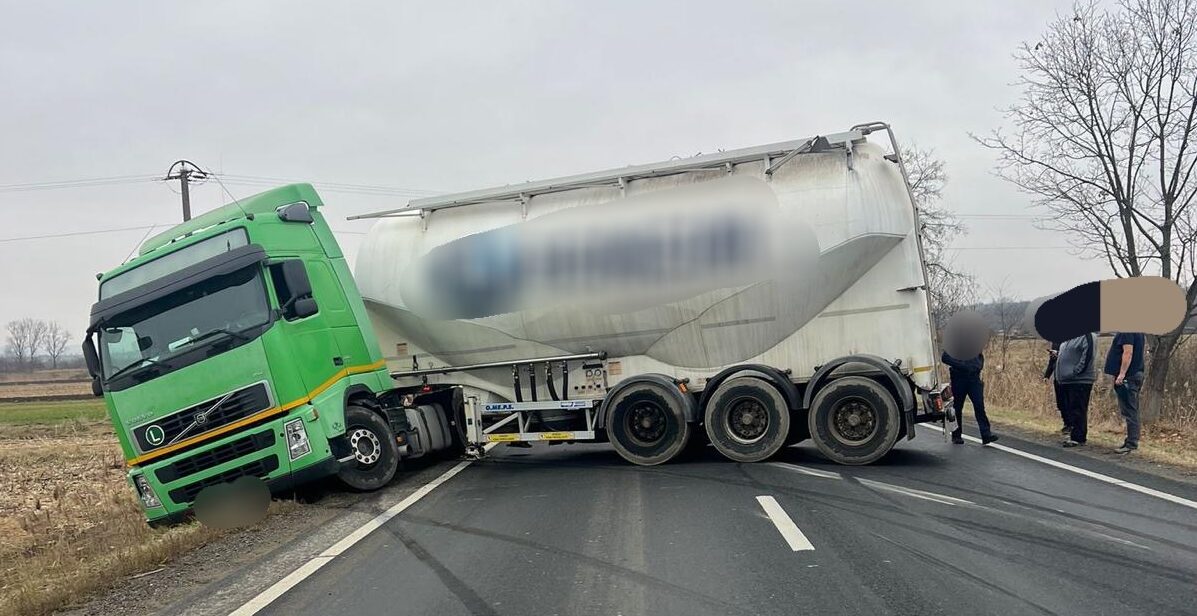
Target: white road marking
(924, 495)
(788, 529)
(806, 471)
(308, 568)
(1123, 541)
(1087, 473)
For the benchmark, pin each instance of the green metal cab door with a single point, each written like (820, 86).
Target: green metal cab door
(305, 331)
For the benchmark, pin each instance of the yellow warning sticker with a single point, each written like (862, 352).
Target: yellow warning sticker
(499, 438)
(556, 436)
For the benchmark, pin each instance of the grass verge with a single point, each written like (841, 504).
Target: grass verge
(25, 413)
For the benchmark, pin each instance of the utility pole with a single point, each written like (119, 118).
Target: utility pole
(185, 172)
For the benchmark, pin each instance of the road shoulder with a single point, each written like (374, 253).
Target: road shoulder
(222, 575)
(1097, 459)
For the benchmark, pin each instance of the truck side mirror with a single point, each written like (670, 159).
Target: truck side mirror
(92, 360)
(304, 307)
(295, 212)
(295, 276)
(294, 290)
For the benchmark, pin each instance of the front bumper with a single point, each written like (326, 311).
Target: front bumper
(260, 451)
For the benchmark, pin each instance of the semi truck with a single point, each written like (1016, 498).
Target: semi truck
(744, 301)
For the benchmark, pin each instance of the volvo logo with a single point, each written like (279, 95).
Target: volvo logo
(154, 435)
(200, 419)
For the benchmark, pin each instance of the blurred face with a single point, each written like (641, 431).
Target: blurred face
(965, 335)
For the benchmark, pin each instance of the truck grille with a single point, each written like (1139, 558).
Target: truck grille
(257, 468)
(215, 456)
(205, 416)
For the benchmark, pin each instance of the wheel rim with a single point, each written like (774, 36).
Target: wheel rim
(747, 420)
(853, 421)
(367, 449)
(646, 423)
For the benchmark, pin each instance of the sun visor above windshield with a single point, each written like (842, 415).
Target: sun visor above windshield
(218, 265)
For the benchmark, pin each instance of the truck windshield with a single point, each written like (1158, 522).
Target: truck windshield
(207, 313)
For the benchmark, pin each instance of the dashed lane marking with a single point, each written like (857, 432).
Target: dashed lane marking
(786, 526)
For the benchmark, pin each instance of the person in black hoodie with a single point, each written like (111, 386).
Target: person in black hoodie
(966, 381)
(1056, 386)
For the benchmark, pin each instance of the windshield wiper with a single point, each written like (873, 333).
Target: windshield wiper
(219, 330)
(141, 363)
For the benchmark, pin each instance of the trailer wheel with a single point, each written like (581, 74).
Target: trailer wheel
(647, 424)
(854, 420)
(747, 419)
(376, 456)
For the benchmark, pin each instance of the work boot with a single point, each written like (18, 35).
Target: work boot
(989, 438)
(957, 439)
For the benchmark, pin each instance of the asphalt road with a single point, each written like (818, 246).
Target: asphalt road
(933, 528)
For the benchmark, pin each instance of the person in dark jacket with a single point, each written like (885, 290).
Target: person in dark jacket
(1056, 387)
(965, 375)
(1124, 362)
(1075, 373)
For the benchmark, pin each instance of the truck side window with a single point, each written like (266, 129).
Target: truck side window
(286, 295)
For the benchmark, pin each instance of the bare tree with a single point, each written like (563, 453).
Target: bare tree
(24, 338)
(54, 341)
(1105, 137)
(1006, 314)
(950, 289)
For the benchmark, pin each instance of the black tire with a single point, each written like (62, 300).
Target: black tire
(376, 455)
(854, 420)
(646, 424)
(747, 419)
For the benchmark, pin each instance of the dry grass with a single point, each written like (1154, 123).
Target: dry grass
(1019, 397)
(69, 523)
(43, 383)
(59, 374)
(47, 388)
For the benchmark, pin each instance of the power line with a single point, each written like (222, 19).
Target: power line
(347, 185)
(78, 183)
(330, 189)
(245, 180)
(1010, 248)
(77, 233)
(1026, 216)
(138, 243)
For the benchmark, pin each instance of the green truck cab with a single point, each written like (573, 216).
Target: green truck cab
(236, 344)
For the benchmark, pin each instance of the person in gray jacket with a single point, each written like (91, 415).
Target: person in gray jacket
(1076, 372)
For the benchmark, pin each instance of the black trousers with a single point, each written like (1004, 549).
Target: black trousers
(974, 390)
(1060, 396)
(1076, 409)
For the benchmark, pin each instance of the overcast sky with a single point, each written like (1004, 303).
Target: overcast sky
(450, 96)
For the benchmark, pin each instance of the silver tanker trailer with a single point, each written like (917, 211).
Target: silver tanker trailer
(749, 299)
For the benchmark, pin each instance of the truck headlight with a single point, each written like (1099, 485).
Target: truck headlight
(148, 498)
(297, 439)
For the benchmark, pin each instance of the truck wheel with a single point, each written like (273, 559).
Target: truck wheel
(747, 419)
(646, 424)
(854, 420)
(376, 456)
